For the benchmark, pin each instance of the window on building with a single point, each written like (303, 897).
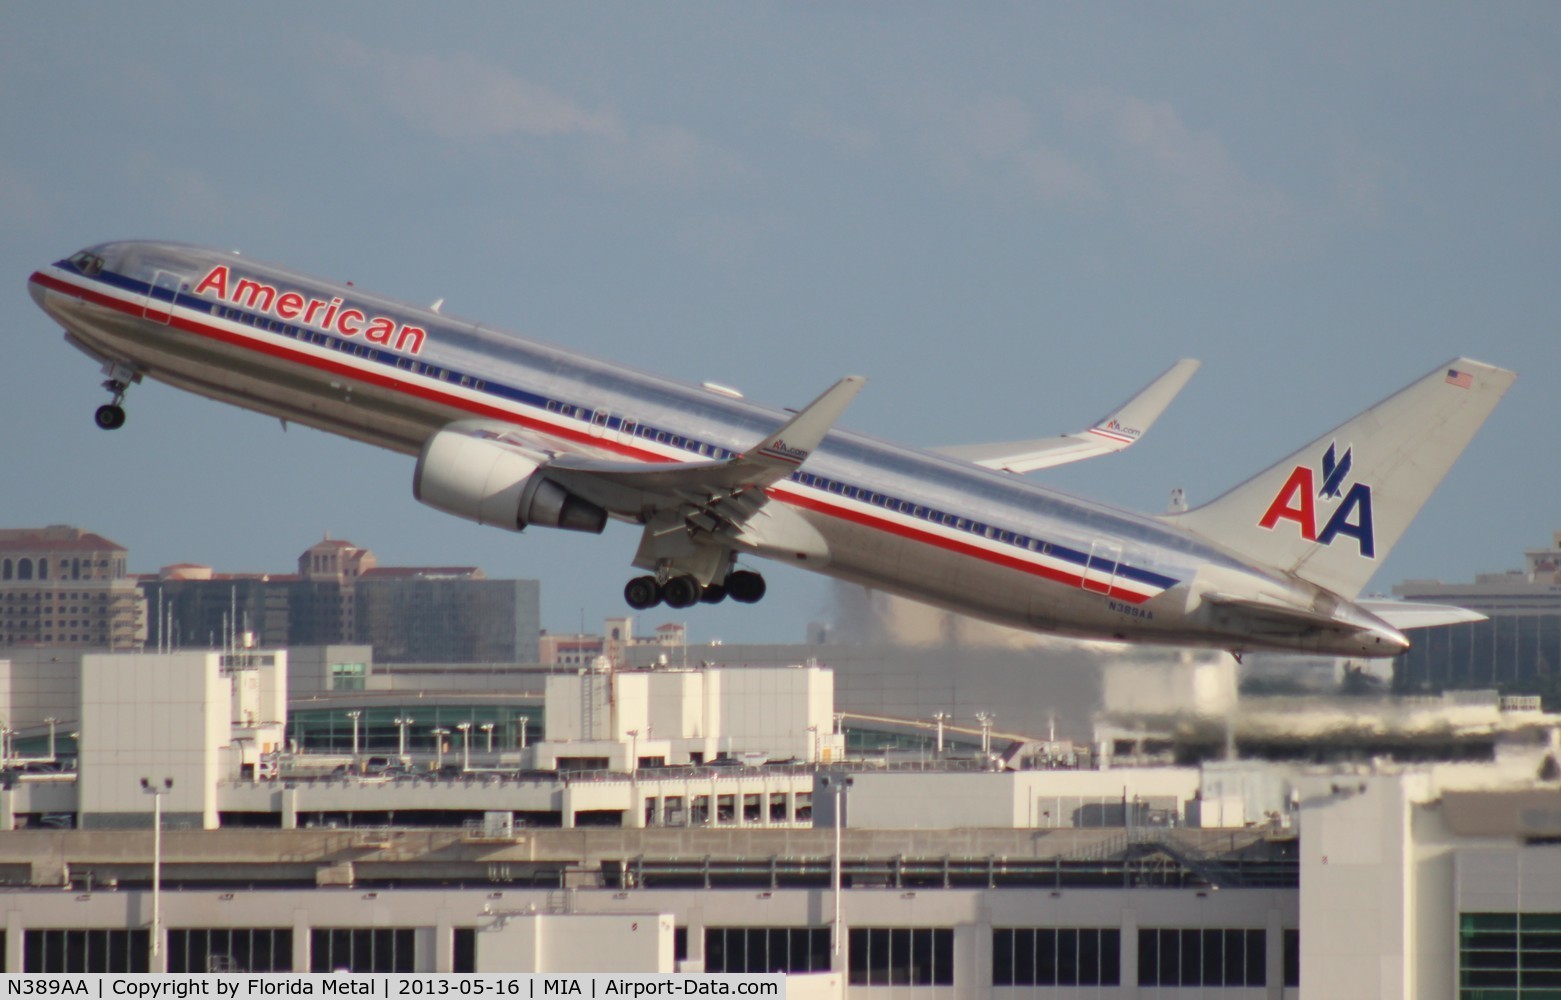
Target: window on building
(1516, 955)
(242, 949)
(901, 956)
(348, 676)
(1061, 956)
(766, 949)
(361, 949)
(51, 950)
(24, 569)
(1292, 958)
(1202, 957)
(464, 958)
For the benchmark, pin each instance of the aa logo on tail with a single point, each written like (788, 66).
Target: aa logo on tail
(1302, 499)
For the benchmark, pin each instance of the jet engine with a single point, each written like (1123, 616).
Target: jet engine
(478, 478)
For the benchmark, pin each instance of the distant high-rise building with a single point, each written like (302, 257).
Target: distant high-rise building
(1518, 649)
(581, 649)
(447, 615)
(61, 586)
(190, 606)
(325, 593)
(340, 594)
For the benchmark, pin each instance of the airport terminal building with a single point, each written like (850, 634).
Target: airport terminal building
(721, 819)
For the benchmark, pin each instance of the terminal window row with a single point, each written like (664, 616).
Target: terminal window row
(1202, 957)
(901, 956)
(1513, 955)
(767, 949)
(362, 949)
(1056, 956)
(71, 950)
(230, 949)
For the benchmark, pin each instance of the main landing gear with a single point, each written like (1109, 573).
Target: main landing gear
(111, 416)
(644, 592)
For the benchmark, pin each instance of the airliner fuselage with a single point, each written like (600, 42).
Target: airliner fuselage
(934, 528)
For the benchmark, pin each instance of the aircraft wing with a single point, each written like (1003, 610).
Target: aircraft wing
(707, 494)
(1113, 432)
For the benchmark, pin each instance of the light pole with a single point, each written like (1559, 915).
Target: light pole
(814, 731)
(439, 734)
(52, 721)
(487, 727)
(466, 745)
(522, 719)
(354, 715)
(634, 753)
(402, 722)
(157, 792)
(940, 718)
(837, 783)
(985, 718)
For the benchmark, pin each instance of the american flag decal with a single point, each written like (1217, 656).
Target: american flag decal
(1462, 380)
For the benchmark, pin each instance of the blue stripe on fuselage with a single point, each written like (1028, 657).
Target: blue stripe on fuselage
(404, 364)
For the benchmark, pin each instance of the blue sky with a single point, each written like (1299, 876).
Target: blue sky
(1007, 216)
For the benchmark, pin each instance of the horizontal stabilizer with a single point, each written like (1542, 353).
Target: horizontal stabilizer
(1115, 431)
(1416, 614)
(1280, 616)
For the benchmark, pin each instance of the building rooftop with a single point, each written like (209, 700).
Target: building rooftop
(57, 537)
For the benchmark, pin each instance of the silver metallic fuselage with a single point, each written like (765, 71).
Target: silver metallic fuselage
(936, 529)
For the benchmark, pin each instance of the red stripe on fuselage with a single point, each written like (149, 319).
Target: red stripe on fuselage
(783, 493)
(950, 544)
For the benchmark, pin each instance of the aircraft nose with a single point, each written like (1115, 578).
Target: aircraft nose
(36, 290)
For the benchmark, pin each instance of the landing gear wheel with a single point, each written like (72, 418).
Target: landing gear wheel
(642, 592)
(745, 587)
(680, 592)
(110, 416)
(713, 594)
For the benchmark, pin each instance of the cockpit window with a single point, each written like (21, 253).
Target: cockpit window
(87, 263)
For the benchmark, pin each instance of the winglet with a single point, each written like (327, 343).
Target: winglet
(1115, 431)
(1128, 422)
(790, 446)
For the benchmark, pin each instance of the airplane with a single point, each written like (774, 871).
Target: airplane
(514, 433)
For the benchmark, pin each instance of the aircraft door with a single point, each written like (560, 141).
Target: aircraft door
(165, 289)
(1104, 558)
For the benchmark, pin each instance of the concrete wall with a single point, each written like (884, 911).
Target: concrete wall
(309, 667)
(738, 710)
(1358, 912)
(154, 717)
(36, 684)
(910, 800)
(577, 942)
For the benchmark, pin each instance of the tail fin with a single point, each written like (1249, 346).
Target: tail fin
(1331, 512)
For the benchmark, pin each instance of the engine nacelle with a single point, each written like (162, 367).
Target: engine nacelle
(484, 481)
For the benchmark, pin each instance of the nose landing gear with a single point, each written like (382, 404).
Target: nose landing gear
(111, 416)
